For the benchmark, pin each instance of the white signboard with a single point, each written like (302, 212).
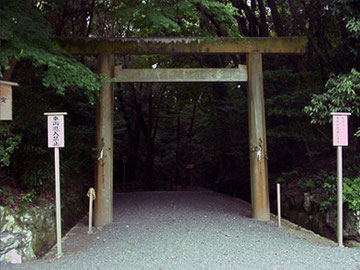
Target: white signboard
(55, 130)
(6, 100)
(340, 139)
(340, 129)
(56, 140)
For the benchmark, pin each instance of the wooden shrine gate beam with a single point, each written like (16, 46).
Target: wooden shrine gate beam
(252, 47)
(181, 74)
(183, 46)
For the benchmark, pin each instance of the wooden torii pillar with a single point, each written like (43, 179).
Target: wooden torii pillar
(105, 144)
(257, 138)
(252, 47)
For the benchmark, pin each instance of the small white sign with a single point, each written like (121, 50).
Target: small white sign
(340, 129)
(56, 129)
(6, 100)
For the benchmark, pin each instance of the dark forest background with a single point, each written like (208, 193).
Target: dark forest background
(177, 135)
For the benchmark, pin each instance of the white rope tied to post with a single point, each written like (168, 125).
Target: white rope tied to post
(101, 154)
(259, 153)
(92, 196)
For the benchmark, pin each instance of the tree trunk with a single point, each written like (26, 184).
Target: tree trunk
(192, 120)
(83, 18)
(250, 16)
(279, 29)
(308, 34)
(149, 142)
(263, 29)
(8, 73)
(133, 130)
(178, 129)
(276, 18)
(91, 18)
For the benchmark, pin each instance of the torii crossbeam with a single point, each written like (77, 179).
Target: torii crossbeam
(252, 47)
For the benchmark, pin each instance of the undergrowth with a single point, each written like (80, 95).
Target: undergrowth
(322, 186)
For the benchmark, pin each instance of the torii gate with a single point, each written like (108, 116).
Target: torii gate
(252, 72)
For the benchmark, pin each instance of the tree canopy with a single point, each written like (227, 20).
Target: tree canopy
(26, 35)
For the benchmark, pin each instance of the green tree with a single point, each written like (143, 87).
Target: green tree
(342, 90)
(28, 56)
(25, 35)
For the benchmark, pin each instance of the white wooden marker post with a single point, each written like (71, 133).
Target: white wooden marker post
(56, 140)
(340, 139)
(92, 196)
(278, 204)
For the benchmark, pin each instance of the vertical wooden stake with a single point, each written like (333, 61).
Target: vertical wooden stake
(58, 202)
(91, 194)
(257, 139)
(90, 214)
(278, 205)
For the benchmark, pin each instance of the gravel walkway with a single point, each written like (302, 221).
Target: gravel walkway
(192, 230)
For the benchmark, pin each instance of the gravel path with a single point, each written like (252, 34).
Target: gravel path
(192, 230)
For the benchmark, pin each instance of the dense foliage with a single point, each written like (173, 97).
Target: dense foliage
(322, 186)
(25, 35)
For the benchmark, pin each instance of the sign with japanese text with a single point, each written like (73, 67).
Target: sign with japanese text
(340, 129)
(6, 100)
(55, 121)
(56, 130)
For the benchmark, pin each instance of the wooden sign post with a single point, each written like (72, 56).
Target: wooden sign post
(340, 139)
(56, 140)
(6, 100)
